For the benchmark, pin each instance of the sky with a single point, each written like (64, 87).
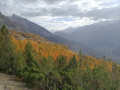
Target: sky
(56, 15)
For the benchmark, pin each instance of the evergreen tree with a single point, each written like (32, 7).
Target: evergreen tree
(73, 63)
(61, 62)
(30, 72)
(8, 57)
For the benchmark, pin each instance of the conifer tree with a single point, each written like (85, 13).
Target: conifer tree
(61, 61)
(73, 63)
(8, 59)
(30, 72)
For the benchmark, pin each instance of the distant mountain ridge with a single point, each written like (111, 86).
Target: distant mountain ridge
(106, 31)
(104, 36)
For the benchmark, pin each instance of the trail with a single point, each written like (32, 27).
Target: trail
(10, 82)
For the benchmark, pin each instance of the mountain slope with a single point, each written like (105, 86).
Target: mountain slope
(42, 45)
(32, 62)
(11, 24)
(21, 24)
(32, 27)
(104, 36)
(96, 35)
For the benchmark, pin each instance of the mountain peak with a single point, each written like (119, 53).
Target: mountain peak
(16, 16)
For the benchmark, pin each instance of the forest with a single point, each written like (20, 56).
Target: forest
(49, 66)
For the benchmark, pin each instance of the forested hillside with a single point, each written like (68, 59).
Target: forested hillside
(41, 45)
(18, 23)
(49, 66)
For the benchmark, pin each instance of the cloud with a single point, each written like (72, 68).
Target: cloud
(35, 13)
(53, 1)
(60, 14)
(73, 10)
(76, 8)
(26, 1)
(106, 13)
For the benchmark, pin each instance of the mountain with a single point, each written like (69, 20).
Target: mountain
(104, 36)
(11, 24)
(18, 23)
(32, 27)
(68, 30)
(96, 35)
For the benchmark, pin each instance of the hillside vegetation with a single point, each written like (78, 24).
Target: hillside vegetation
(49, 66)
(40, 45)
(18, 23)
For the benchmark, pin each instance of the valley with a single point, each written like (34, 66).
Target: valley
(59, 45)
(103, 36)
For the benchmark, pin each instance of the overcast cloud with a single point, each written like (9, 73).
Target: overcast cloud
(61, 14)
